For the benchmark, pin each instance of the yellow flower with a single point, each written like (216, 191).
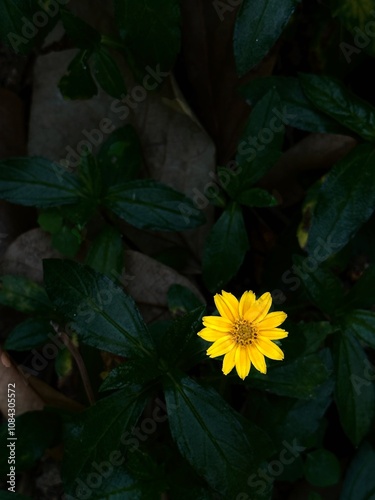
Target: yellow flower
(244, 332)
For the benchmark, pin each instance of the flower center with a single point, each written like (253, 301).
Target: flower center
(244, 333)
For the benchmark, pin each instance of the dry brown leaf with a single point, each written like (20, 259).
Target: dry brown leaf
(25, 254)
(148, 282)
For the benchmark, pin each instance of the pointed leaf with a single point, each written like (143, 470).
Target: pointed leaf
(23, 295)
(359, 482)
(107, 73)
(29, 334)
(78, 83)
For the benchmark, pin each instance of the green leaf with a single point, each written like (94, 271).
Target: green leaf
(358, 18)
(113, 416)
(321, 285)
(359, 481)
(36, 182)
(120, 157)
(107, 73)
(211, 436)
(331, 97)
(129, 372)
(256, 197)
(67, 241)
(297, 109)
(50, 220)
(322, 468)
(225, 248)
(106, 253)
(182, 300)
(260, 144)
(36, 431)
(81, 33)
(345, 202)
(147, 204)
(100, 312)
(78, 83)
(23, 295)
(361, 324)
(29, 334)
(355, 396)
(362, 294)
(298, 379)
(258, 26)
(151, 32)
(25, 23)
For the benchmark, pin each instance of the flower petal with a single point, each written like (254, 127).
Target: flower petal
(221, 346)
(229, 361)
(247, 302)
(273, 334)
(217, 323)
(210, 335)
(232, 302)
(243, 363)
(269, 349)
(226, 307)
(271, 320)
(257, 359)
(259, 309)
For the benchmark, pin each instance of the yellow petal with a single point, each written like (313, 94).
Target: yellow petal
(269, 349)
(217, 323)
(229, 361)
(259, 309)
(247, 302)
(272, 320)
(242, 360)
(232, 302)
(257, 359)
(225, 307)
(221, 346)
(273, 334)
(210, 335)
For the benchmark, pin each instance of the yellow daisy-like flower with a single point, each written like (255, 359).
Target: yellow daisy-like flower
(244, 332)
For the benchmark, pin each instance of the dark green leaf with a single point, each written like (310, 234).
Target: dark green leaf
(30, 334)
(81, 33)
(225, 248)
(355, 396)
(211, 436)
(321, 285)
(322, 468)
(333, 98)
(181, 300)
(113, 415)
(361, 323)
(147, 204)
(78, 83)
(25, 23)
(297, 109)
(90, 178)
(36, 182)
(362, 294)
(315, 333)
(120, 157)
(151, 31)
(258, 26)
(350, 184)
(107, 73)
(129, 372)
(51, 220)
(36, 431)
(23, 295)
(359, 482)
(106, 253)
(100, 312)
(67, 241)
(260, 145)
(256, 197)
(299, 379)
